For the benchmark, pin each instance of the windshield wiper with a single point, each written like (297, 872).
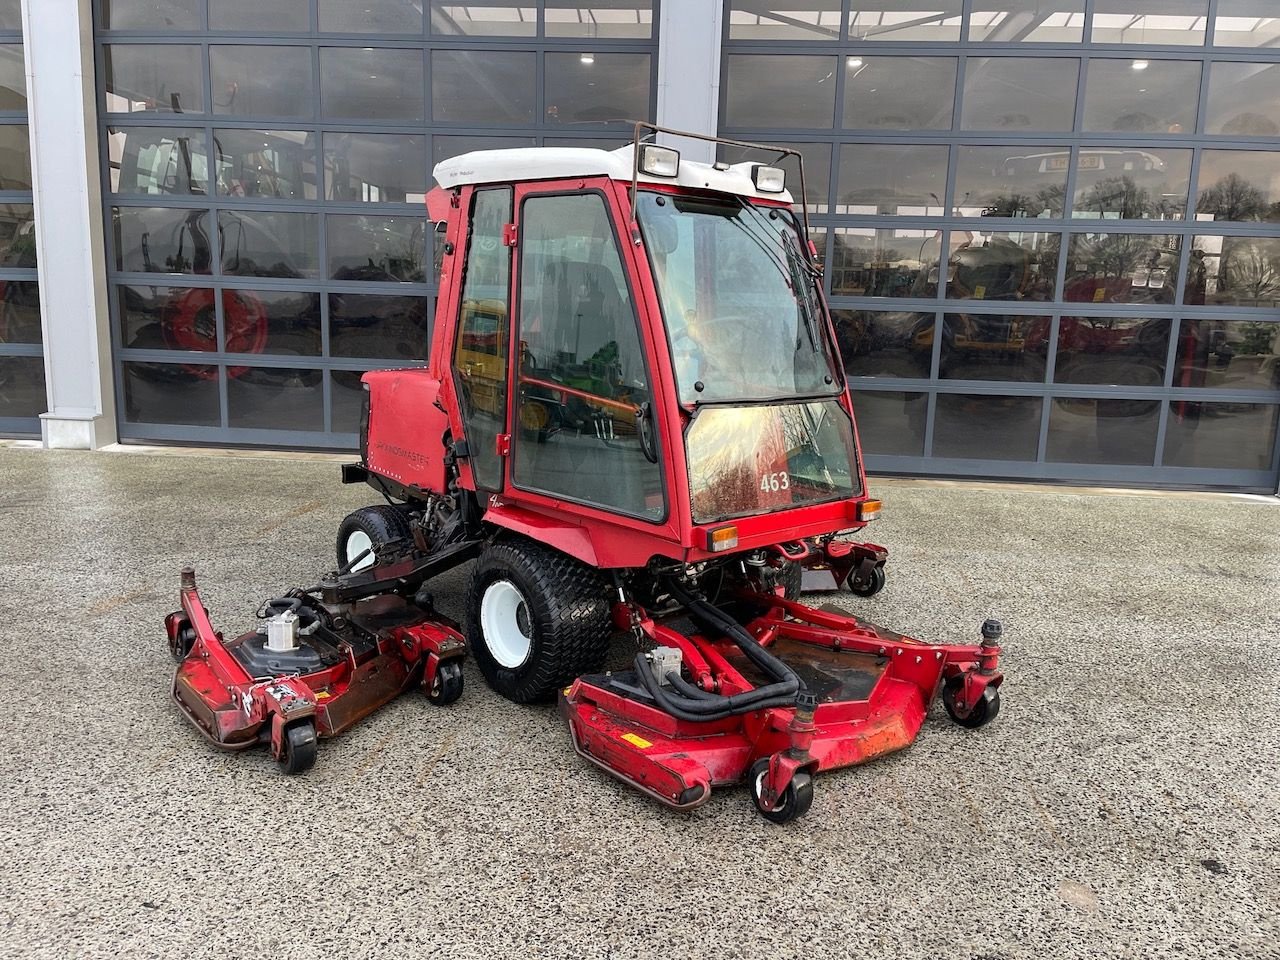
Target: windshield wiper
(803, 284)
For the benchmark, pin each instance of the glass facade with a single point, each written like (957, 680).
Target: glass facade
(264, 168)
(22, 386)
(1050, 225)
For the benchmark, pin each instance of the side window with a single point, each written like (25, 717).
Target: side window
(583, 407)
(480, 353)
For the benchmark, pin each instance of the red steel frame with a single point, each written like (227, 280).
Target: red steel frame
(678, 762)
(235, 710)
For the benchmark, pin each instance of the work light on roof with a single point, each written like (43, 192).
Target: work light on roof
(769, 179)
(659, 161)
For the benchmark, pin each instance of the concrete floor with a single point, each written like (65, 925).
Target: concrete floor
(1126, 803)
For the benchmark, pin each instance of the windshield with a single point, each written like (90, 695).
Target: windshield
(739, 300)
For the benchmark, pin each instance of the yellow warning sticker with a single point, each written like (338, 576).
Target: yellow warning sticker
(979, 292)
(322, 694)
(1100, 294)
(637, 741)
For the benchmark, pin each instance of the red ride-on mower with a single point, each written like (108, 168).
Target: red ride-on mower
(635, 415)
(319, 661)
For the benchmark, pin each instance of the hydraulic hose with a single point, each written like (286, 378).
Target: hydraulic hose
(687, 702)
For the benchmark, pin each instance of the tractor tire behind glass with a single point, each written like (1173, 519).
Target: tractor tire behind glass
(370, 528)
(536, 619)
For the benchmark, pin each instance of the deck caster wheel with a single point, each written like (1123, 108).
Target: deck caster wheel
(183, 639)
(447, 686)
(983, 712)
(796, 799)
(869, 587)
(299, 753)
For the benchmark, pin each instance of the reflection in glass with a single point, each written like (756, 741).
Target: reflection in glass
(1012, 265)
(1228, 354)
(370, 84)
(780, 91)
(387, 249)
(22, 390)
(1142, 96)
(1117, 431)
(346, 400)
(160, 78)
(1112, 350)
(1244, 100)
(254, 16)
(1150, 21)
(375, 167)
(272, 321)
(375, 325)
(153, 14)
(20, 312)
(614, 19)
(171, 393)
(1019, 93)
(1241, 23)
(167, 318)
(773, 20)
(1027, 21)
(884, 263)
(596, 86)
(1016, 182)
(279, 164)
(478, 87)
(1118, 184)
(261, 81)
(892, 179)
(890, 424)
(484, 18)
(981, 427)
(445, 147)
(993, 347)
(162, 240)
(905, 20)
(1121, 268)
(371, 16)
(17, 236)
(157, 161)
(257, 243)
(1221, 436)
(275, 398)
(899, 93)
(13, 78)
(884, 343)
(11, 15)
(1239, 185)
(817, 168)
(15, 157)
(1234, 271)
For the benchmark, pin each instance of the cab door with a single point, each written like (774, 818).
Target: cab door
(481, 347)
(582, 412)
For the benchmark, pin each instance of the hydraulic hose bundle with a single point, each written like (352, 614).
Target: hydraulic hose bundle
(684, 701)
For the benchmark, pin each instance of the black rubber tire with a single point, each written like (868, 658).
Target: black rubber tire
(789, 576)
(983, 712)
(180, 646)
(796, 799)
(872, 587)
(568, 606)
(382, 524)
(300, 743)
(448, 686)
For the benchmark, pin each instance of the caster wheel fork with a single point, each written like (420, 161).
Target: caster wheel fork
(794, 802)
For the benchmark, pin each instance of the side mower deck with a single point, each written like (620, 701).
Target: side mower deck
(866, 691)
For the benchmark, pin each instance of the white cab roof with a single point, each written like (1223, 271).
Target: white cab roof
(557, 163)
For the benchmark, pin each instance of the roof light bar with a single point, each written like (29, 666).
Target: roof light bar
(659, 161)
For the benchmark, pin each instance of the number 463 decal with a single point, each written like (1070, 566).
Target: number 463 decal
(773, 482)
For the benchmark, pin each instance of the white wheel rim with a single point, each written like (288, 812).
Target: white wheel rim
(357, 544)
(500, 616)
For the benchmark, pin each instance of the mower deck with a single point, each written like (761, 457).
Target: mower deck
(867, 691)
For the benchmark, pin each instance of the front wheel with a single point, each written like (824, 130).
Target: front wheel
(367, 532)
(536, 619)
(795, 800)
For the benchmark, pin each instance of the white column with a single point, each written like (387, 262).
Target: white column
(61, 97)
(689, 72)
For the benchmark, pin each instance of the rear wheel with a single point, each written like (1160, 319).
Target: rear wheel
(536, 619)
(371, 529)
